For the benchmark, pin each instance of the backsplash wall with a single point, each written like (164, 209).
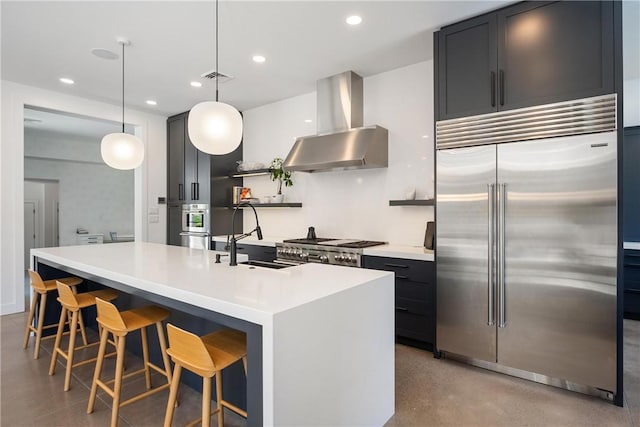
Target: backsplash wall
(352, 204)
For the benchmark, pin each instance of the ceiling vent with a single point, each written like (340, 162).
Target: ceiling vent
(213, 75)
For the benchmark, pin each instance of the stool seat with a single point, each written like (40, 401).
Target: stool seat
(141, 317)
(50, 285)
(225, 347)
(88, 299)
(41, 289)
(205, 356)
(72, 303)
(120, 324)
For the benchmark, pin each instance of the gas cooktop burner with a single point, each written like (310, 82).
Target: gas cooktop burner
(340, 243)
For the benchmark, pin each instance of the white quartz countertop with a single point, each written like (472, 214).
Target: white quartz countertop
(632, 245)
(392, 251)
(191, 275)
(398, 251)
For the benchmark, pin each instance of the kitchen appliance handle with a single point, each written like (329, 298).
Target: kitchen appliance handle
(502, 202)
(491, 188)
(493, 88)
(396, 265)
(402, 309)
(501, 87)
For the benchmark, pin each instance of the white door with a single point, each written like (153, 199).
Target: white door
(30, 229)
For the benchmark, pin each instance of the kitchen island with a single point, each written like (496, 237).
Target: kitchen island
(320, 338)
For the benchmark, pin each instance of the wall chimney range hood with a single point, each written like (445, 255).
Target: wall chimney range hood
(341, 143)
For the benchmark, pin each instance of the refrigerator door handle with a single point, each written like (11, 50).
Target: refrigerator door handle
(502, 202)
(491, 188)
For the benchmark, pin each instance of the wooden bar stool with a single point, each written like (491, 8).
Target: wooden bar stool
(72, 303)
(206, 356)
(120, 324)
(41, 289)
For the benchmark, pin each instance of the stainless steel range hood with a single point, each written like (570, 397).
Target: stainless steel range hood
(341, 142)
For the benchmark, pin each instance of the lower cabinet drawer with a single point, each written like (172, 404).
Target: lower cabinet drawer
(414, 290)
(414, 326)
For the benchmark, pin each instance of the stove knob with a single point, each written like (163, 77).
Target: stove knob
(324, 258)
(340, 258)
(353, 261)
(347, 259)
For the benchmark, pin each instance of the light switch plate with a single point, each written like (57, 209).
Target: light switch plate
(154, 211)
(154, 218)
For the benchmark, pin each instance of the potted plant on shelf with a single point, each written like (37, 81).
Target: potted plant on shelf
(281, 176)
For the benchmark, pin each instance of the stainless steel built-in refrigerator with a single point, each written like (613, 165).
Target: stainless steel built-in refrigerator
(527, 242)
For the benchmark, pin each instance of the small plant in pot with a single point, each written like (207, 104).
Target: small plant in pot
(281, 176)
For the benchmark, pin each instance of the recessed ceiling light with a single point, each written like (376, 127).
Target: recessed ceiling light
(354, 20)
(425, 136)
(308, 121)
(259, 58)
(66, 81)
(151, 102)
(104, 53)
(196, 84)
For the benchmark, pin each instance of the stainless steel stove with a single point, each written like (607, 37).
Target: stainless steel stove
(321, 250)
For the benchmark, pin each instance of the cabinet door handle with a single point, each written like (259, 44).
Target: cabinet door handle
(396, 265)
(402, 309)
(501, 87)
(402, 277)
(631, 264)
(193, 191)
(197, 187)
(180, 192)
(493, 89)
(633, 291)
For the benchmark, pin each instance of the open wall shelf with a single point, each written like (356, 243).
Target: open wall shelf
(419, 202)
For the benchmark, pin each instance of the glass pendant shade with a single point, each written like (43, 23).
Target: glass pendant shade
(122, 151)
(215, 127)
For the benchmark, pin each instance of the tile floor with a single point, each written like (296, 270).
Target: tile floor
(429, 392)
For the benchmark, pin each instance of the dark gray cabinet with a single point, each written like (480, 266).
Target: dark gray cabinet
(527, 54)
(188, 169)
(415, 288)
(467, 66)
(631, 184)
(197, 177)
(632, 284)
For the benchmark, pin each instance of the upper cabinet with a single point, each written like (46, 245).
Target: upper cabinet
(528, 54)
(188, 172)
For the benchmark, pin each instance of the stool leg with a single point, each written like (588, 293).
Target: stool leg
(117, 387)
(56, 346)
(206, 402)
(145, 357)
(72, 344)
(244, 364)
(83, 332)
(163, 350)
(173, 394)
(43, 304)
(32, 313)
(104, 335)
(219, 398)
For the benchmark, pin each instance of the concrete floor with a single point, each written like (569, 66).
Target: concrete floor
(429, 392)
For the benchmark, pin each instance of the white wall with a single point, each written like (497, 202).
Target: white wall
(91, 194)
(352, 204)
(150, 177)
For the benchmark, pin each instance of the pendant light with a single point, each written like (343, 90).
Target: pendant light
(215, 127)
(122, 150)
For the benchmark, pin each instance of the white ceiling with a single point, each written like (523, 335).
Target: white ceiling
(173, 43)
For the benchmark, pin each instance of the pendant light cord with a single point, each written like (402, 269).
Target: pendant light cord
(217, 69)
(122, 87)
